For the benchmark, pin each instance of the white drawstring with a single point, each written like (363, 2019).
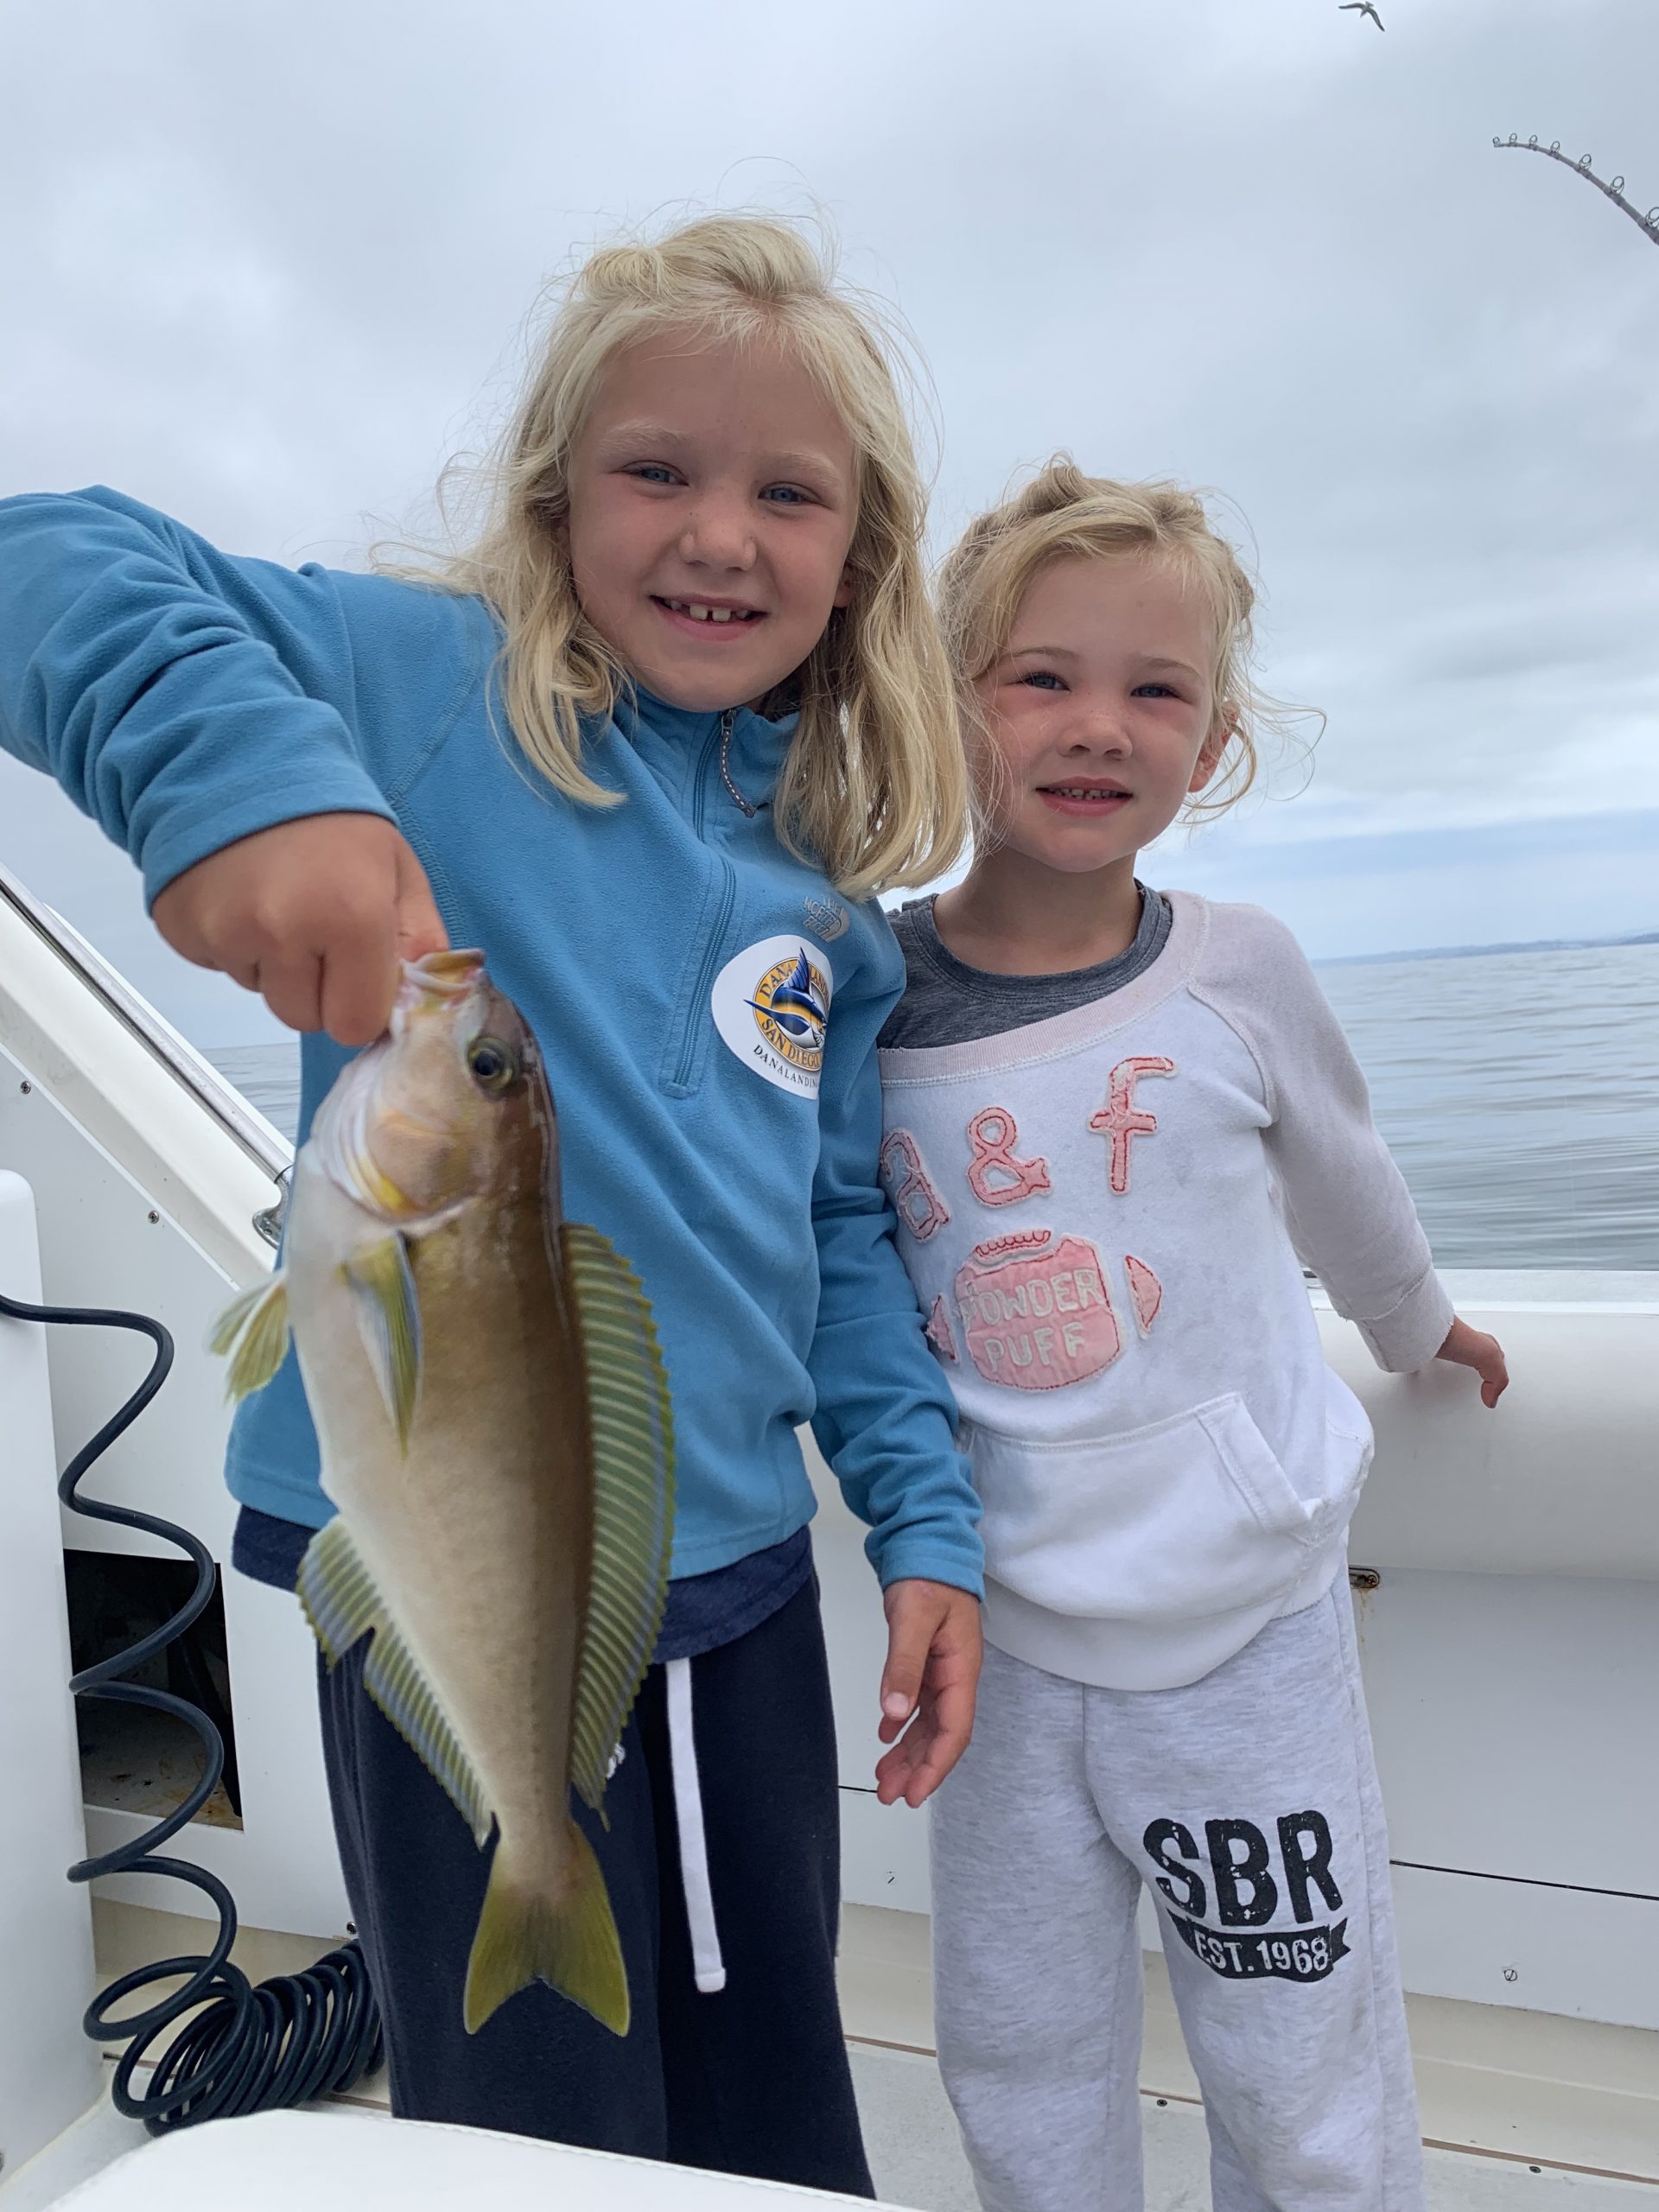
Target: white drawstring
(706, 1960)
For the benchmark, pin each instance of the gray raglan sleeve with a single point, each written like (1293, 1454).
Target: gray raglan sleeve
(1349, 1212)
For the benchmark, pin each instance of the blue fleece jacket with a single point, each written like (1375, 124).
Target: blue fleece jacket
(673, 960)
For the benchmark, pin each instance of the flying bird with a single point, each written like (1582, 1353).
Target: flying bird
(1362, 8)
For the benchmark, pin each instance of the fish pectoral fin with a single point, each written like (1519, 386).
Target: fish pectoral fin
(569, 1940)
(342, 1604)
(253, 1331)
(633, 1429)
(389, 1317)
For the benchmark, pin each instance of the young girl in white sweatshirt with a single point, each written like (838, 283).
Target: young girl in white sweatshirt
(1117, 1122)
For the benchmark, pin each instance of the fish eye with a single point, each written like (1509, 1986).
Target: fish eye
(494, 1066)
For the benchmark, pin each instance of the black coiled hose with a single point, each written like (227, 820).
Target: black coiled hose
(250, 2049)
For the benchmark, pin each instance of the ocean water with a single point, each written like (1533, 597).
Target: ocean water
(1518, 1090)
(268, 1076)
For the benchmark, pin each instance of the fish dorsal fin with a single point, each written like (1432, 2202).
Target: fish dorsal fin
(633, 1497)
(341, 1601)
(389, 1317)
(253, 1331)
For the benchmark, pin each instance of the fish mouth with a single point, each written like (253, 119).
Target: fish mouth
(444, 975)
(444, 969)
(429, 984)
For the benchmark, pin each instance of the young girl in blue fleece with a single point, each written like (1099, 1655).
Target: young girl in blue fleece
(654, 743)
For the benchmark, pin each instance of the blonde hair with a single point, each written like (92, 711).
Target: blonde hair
(1063, 515)
(874, 789)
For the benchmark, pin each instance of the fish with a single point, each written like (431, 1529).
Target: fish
(795, 1005)
(493, 1414)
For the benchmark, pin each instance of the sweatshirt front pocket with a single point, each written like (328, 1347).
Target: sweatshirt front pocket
(1189, 1516)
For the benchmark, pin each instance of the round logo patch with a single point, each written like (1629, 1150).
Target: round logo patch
(771, 1005)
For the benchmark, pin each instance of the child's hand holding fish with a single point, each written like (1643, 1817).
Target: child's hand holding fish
(316, 915)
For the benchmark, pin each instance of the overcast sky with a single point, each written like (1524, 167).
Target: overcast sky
(266, 267)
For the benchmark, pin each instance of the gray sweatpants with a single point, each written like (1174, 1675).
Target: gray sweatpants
(1248, 1802)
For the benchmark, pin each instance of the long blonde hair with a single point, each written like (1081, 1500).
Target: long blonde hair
(873, 790)
(1063, 514)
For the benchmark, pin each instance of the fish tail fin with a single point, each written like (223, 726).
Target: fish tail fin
(570, 1940)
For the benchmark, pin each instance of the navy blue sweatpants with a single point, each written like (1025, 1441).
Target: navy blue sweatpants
(752, 2079)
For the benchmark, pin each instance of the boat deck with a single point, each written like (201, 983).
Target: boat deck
(1523, 2111)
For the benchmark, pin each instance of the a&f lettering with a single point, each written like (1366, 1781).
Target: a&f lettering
(1120, 1119)
(915, 1201)
(994, 1176)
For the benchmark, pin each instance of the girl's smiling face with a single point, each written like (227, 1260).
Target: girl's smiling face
(1100, 710)
(713, 496)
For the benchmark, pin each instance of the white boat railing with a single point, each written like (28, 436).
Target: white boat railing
(263, 1145)
(127, 1078)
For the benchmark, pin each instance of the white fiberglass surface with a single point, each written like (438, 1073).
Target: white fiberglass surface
(918, 2162)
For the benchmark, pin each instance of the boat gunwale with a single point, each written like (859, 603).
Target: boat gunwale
(263, 1143)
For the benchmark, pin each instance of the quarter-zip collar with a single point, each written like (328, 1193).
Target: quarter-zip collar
(684, 746)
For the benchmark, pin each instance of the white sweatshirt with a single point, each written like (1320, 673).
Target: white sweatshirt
(1102, 1213)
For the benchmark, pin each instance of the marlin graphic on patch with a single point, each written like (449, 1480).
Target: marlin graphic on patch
(795, 1006)
(771, 1004)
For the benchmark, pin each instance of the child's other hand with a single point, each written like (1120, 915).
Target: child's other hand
(927, 1687)
(314, 915)
(1467, 1347)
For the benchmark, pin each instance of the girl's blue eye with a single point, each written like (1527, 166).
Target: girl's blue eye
(786, 495)
(1042, 679)
(652, 472)
(1164, 690)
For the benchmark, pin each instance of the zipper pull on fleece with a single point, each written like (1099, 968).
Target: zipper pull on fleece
(728, 722)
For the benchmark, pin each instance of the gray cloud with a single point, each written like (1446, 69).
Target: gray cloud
(267, 268)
